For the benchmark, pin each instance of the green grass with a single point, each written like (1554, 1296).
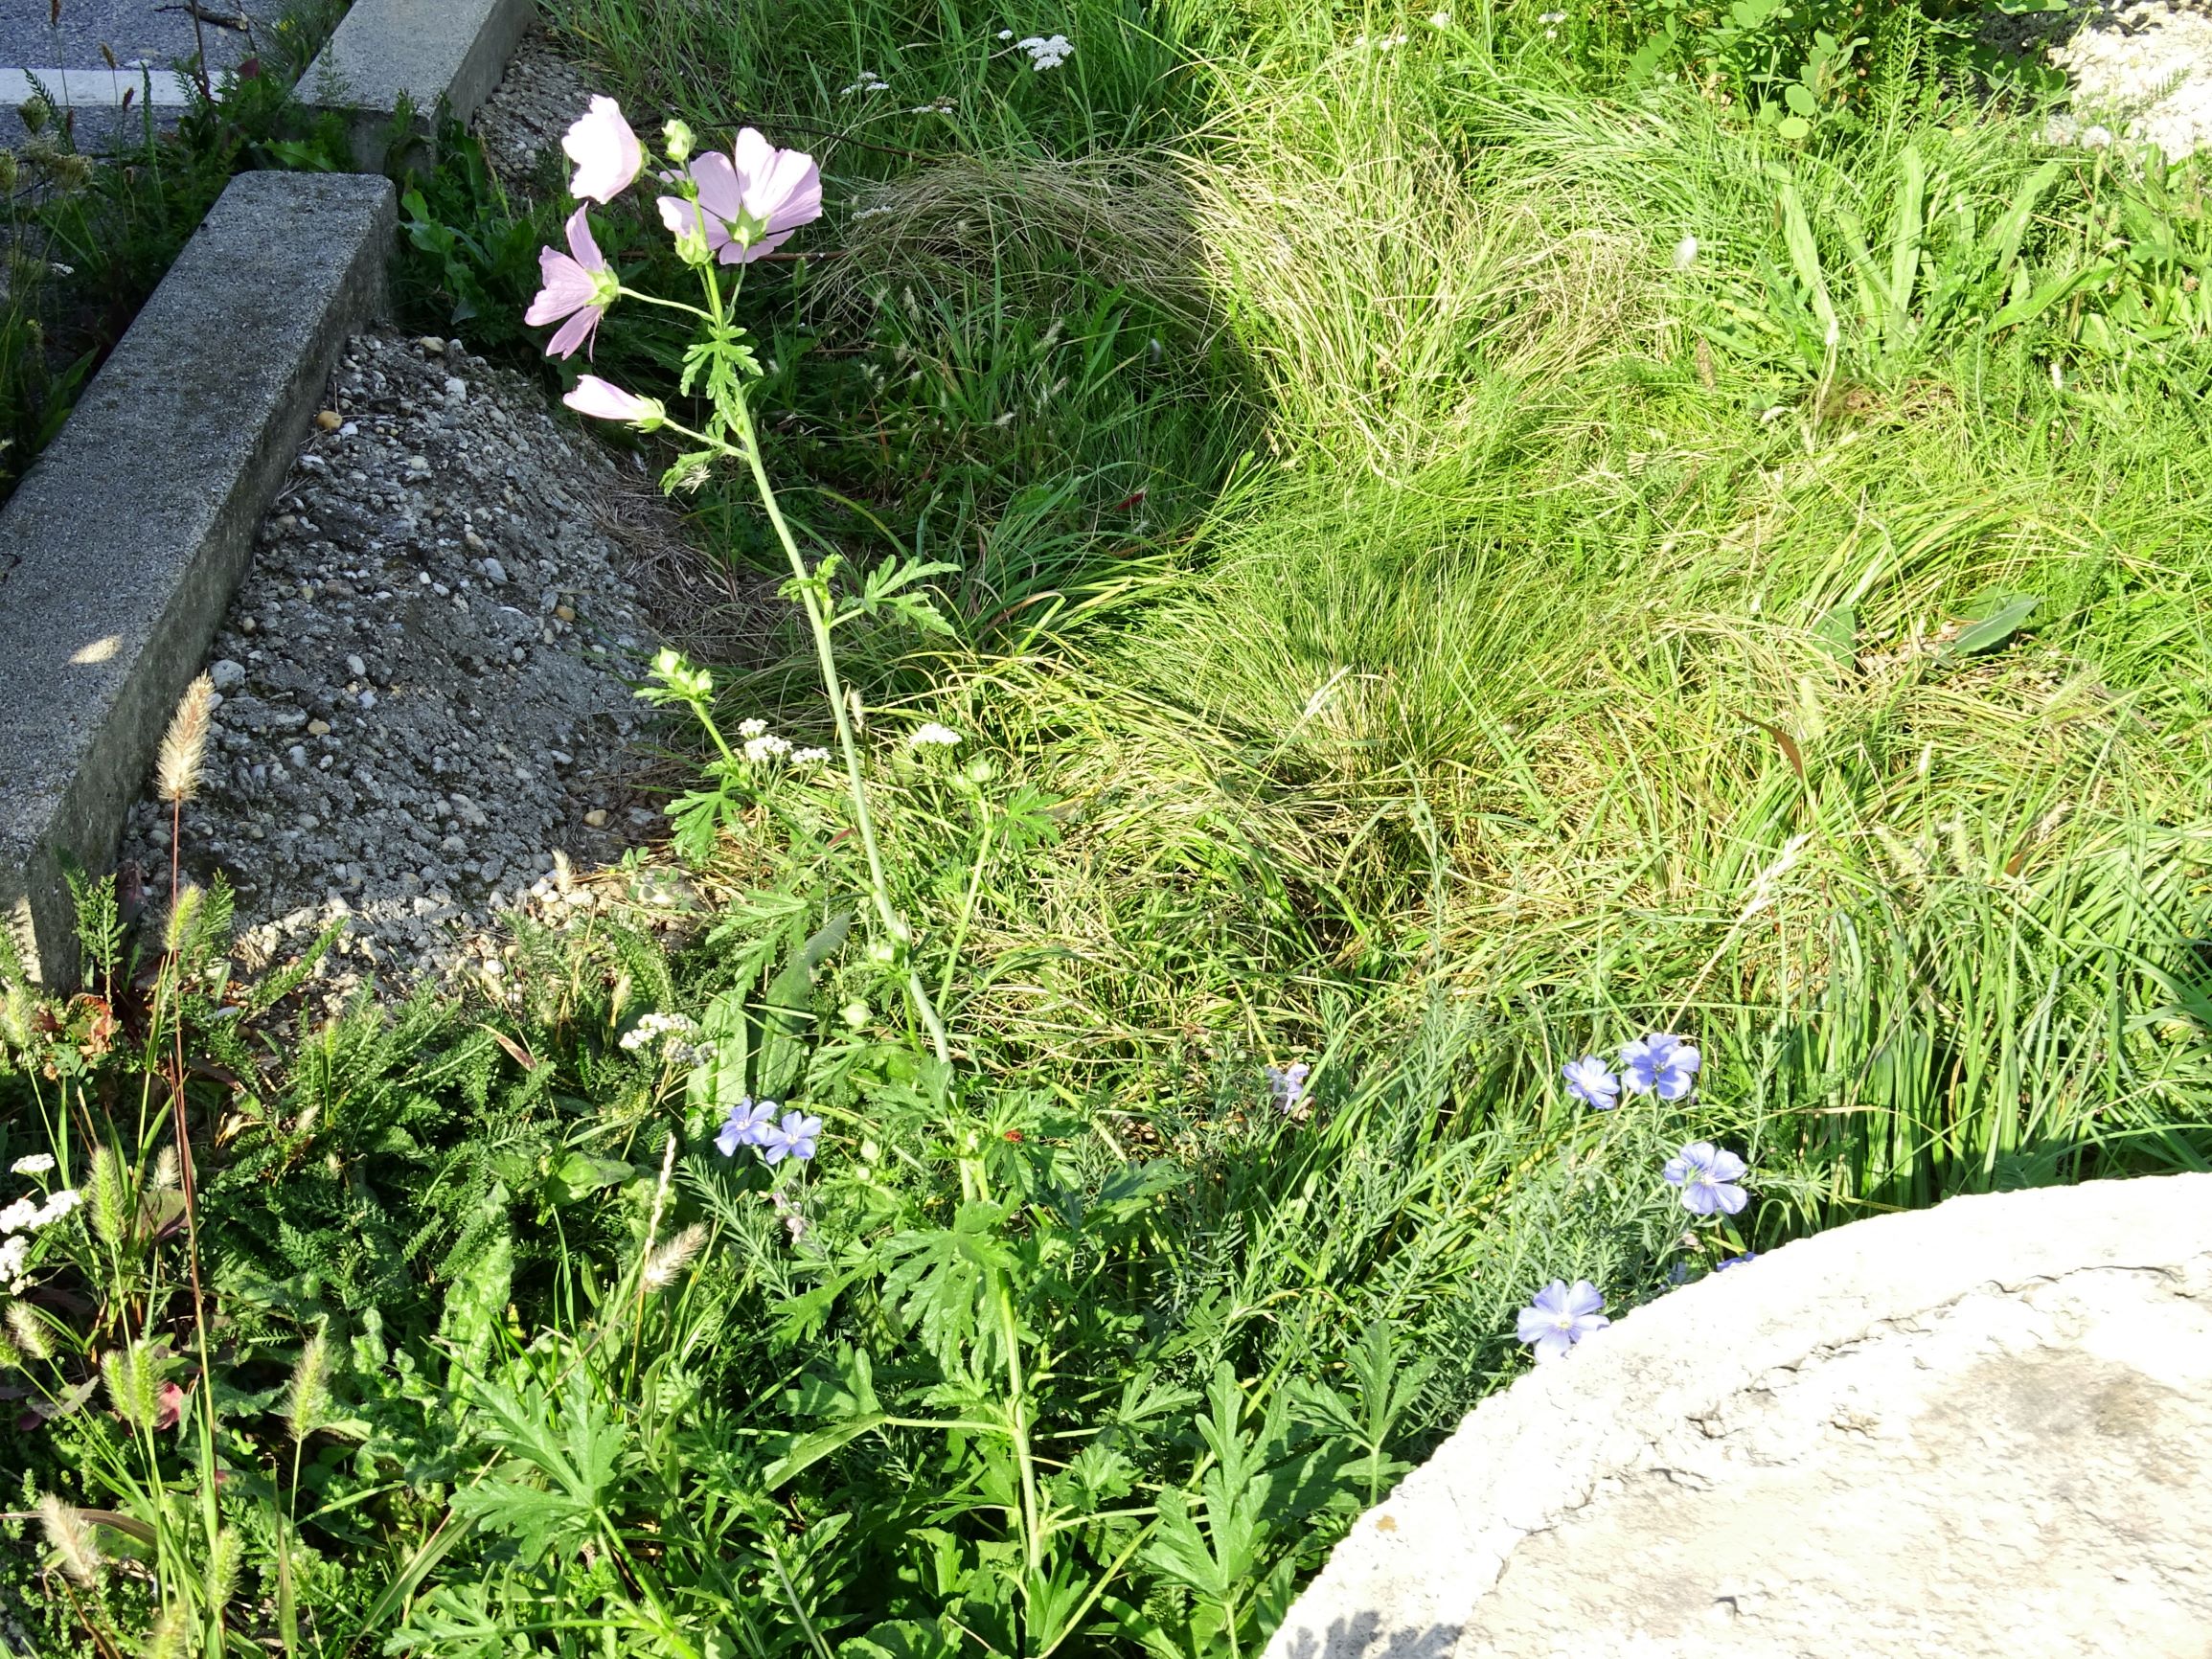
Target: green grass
(1409, 615)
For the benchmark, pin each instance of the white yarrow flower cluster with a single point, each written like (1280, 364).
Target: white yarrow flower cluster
(869, 83)
(767, 747)
(24, 1217)
(1046, 50)
(658, 1028)
(808, 757)
(929, 735)
(31, 1164)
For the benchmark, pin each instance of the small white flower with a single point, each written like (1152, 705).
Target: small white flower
(1553, 17)
(59, 1206)
(21, 1214)
(14, 1254)
(931, 734)
(1440, 21)
(869, 84)
(1685, 253)
(751, 728)
(759, 750)
(1006, 35)
(36, 1164)
(808, 757)
(1046, 50)
(654, 1028)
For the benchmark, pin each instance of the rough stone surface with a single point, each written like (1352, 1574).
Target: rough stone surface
(2140, 71)
(129, 533)
(424, 51)
(539, 99)
(426, 676)
(1979, 1430)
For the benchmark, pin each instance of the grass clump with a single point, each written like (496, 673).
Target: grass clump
(1445, 545)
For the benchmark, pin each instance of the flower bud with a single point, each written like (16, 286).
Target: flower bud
(855, 1014)
(34, 112)
(678, 140)
(10, 172)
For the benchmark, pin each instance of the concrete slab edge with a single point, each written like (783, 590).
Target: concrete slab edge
(1406, 1579)
(121, 547)
(423, 52)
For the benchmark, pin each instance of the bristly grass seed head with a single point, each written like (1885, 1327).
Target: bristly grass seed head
(70, 1536)
(184, 746)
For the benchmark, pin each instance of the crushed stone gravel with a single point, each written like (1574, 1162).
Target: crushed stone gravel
(2141, 74)
(538, 99)
(427, 714)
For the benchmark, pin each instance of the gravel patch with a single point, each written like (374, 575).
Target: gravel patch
(425, 711)
(2142, 74)
(539, 98)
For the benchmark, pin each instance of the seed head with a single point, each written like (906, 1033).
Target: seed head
(311, 1389)
(71, 1537)
(223, 1568)
(110, 1207)
(184, 749)
(663, 1266)
(166, 1640)
(30, 1335)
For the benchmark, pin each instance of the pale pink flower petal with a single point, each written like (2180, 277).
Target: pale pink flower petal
(578, 330)
(679, 216)
(572, 289)
(604, 400)
(607, 153)
(721, 186)
(568, 288)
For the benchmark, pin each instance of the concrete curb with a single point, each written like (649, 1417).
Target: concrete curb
(1409, 1580)
(425, 52)
(125, 541)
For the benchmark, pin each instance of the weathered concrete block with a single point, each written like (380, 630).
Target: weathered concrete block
(1980, 1430)
(122, 546)
(424, 51)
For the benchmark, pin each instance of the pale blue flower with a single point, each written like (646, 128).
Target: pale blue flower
(1735, 1260)
(1591, 1083)
(1706, 1175)
(792, 1138)
(1559, 1317)
(1287, 1086)
(1659, 1063)
(748, 1121)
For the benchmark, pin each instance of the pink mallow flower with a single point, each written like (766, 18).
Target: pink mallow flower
(606, 152)
(604, 400)
(579, 285)
(752, 199)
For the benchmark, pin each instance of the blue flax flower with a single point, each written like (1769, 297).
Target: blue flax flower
(1706, 1175)
(1591, 1083)
(792, 1138)
(1287, 1086)
(1735, 1260)
(1559, 1317)
(1661, 1063)
(748, 1121)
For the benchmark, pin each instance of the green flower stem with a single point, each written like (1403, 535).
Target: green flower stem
(819, 624)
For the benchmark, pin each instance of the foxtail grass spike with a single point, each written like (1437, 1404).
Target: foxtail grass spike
(70, 1534)
(184, 747)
